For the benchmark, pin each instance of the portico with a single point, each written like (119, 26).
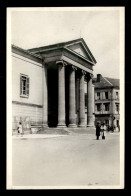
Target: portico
(65, 67)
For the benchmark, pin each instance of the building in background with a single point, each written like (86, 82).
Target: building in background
(52, 86)
(107, 101)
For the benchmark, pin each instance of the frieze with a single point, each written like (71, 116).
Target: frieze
(77, 59)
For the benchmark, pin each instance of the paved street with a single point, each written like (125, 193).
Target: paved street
(68, 160)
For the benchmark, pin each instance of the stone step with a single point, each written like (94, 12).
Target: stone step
(67, 131)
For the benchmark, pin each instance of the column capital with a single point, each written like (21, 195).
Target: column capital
(73, 68)
(44, 65)
(82, 72)
(63, 63)
(90, 76)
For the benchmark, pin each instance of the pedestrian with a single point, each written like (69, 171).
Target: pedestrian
(103, 130)
(97, 131)
(19, 128)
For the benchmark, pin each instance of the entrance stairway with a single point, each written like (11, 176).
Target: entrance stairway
(67, 131)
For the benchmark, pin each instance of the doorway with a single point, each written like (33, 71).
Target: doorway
(52, 97)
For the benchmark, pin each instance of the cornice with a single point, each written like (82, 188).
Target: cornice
(77, 59)
(27, 104)
(26, 54)
(75, 53)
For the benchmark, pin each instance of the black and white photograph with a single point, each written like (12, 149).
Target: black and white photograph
(65, 98)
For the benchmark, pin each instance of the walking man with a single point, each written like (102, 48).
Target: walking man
(97, 131)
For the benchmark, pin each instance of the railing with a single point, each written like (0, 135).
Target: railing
(102, 112)
(98, 112)
(106, 112)
(117, 112)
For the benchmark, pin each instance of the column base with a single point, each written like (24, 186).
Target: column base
(83, 126)
(61, 126)
(45, 126)
(89, 121)
(72, 125)
(90, 125)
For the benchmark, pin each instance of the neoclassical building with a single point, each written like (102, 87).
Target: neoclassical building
(52, 85)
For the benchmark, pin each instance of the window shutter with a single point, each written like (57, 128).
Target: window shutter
(117, 95)
(27, 86)
(20, 85)
(103, 107)
(109, 94)
(103, 95)
(95, 96)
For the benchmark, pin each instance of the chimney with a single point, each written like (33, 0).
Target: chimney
(99, 77)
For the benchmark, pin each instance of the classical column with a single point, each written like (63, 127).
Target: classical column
(93, 99)
(77, 98)
(61, 93)
(72, 104)
(45, 97)
(89, 101)
(82, 100)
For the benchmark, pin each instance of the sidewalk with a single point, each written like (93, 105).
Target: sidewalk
(34, 136)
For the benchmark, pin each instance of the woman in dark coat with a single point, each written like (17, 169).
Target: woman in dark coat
(97, 131)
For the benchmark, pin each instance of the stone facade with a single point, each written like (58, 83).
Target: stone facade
(49, 86)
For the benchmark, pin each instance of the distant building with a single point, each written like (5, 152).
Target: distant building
(107, 102)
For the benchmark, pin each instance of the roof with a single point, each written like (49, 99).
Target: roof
(25, 51)
(114, 82)
(106, 82)
(64, 44)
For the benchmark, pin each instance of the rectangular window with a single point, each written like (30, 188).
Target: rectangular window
(106, 95)
(24, 86)
(98, 107)
(107, 107)
(98, 95)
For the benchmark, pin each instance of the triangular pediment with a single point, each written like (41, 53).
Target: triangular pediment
(79, 46)
(79, 50)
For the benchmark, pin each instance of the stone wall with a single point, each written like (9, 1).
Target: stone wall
(28, 115)
(32, 69)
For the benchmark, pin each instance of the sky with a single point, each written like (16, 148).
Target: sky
(99, 28)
